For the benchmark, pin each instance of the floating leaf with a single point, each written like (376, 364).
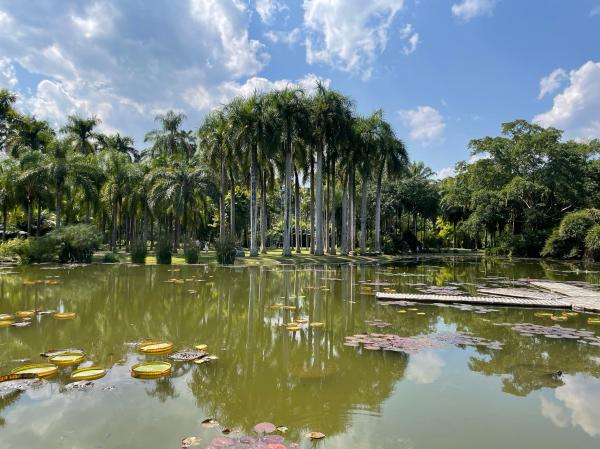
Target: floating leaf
(293, 328)
(315, 435)
(282, 429)
(265, 427)
(186, 356)
(91, 373)
(67, 358)
(53, 352)
(155, 347)
(64, 315)
(201, 347)
(189, 442)
(25, 313)
(317, 324)
(40, 370)
(150, 370)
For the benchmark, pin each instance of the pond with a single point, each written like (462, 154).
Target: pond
(451, 390)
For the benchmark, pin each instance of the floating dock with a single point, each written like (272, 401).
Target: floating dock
(547, 294)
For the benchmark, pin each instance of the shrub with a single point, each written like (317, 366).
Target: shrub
(191, 253)
(163, 251)
(15, 250)
(75, 243)
(592, 243)
(111, 258)
(138, 252)
(226, 249)
(568, 240)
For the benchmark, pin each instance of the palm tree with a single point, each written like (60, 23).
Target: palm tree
(29, 134)
(80, 132)
(8, 173)
(119, 143)
(392, 157)
(30, 180)
(169, 139)
(292, 117)
(116, 167)
(7, 115)
(214, 140)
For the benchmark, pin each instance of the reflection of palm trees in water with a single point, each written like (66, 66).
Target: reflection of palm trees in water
(163, 389)
(309, 379)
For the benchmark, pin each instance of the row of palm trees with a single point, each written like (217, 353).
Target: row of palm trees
(285, 141)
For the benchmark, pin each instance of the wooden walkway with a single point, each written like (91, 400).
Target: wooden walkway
(479, 300)
(550, 294)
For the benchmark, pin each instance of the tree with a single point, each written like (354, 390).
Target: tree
(80, 132)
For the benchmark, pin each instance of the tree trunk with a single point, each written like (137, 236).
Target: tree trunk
(378, 212)
(344, 242)
(232, 205)
(4, 220)
(29, 216)
(297, 211)
(312, 204)
(58, 205)
(222, 200)
(332, 207)
(319, 203)
(363, 214)
(113, 239)
(287, 250)
(263, 214)
(352, 211)
(253, 204)
(39, 218)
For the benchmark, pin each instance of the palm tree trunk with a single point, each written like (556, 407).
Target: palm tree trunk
(222, 199)
(113, 239)
(29, 216)
(319, 202)
(297, 211)
(344, 242)
(253, 208)
(378, 212)
(263, 214)
(312, 204)
(232, 205)
(363, 214)
(39, 218)
(352, 211)
(4, 220)
(287, 250)
(332, 207)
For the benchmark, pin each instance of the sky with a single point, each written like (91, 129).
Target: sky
(443, 71)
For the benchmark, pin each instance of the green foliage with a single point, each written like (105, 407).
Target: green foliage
(68, 244)
(139, 252)
(111, 258)
(226, 249)
(191, 253)
(15, 250)
(568, 240)
(163, 251)
(394, 244)
(592, 243)
(75, 243)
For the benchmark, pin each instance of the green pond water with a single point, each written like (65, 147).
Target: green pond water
(532, 392)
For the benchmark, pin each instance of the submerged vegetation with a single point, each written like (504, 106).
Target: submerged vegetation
(288, 169)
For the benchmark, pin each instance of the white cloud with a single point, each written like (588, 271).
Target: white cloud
(446, 172)
(124, 61)
(595, 11)
(581, 395)
(424, 122)
(348, 34)
(8, 76)
(424, 368)
(267, 9)
(554, 412)
(201, 99)
(576, 109)
(413, 41)
(284, 37)
(469, 9)
(550, 83)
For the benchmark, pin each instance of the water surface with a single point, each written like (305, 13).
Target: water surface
(534, 392)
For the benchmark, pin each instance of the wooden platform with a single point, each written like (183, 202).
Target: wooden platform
(556, 295)
(480, 300)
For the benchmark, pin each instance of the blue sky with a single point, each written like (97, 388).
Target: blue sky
(444, 71)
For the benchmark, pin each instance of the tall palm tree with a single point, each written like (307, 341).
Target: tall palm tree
(169, 139)
(28, 134)
(119, 143)
(80, 132)
(214, 140)
(30, 180)
(292, 117)
(116, 167)
(8, 173)
(7, 115)
(391, 156)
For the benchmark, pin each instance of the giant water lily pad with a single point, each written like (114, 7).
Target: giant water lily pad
(187, 356)
(150, 370)
(64, 315)
(91, 373)
(155, 347)
(67, 358)
(42, 370)
(52, 352)
(25, 313)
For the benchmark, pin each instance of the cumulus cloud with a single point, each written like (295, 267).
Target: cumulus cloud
(576, 109)
(200, 98)
(469, 9)
(284, 37)
(550, 83)
(580, 396)
(446, 172)
(408, 34)
(124, 61)
(424, 368)
(348, 34)
(425, 123)
(267, 9)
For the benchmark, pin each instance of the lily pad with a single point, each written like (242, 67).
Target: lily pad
(25, 313)
(265, 427)
(187, 356)
(150, 370)
(201, 347)
(67, 358)
(40, 370)
(91, 373)
(155, 347)
(315, 435)
(64, 315)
